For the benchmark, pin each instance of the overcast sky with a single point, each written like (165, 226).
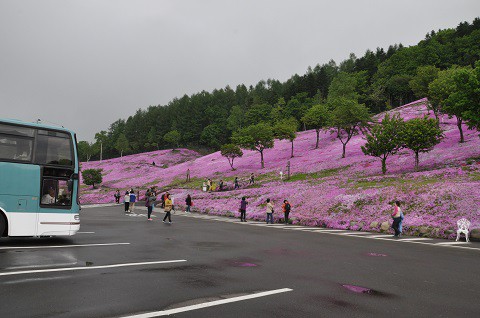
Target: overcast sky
(84, 64)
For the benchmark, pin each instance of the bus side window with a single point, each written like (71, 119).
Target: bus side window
(49, 191)
(64, 194)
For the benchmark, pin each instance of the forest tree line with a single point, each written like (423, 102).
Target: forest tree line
(379, 80)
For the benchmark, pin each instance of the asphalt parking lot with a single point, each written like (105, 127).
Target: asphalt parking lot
(201, 266)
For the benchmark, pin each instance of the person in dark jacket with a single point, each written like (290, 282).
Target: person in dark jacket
(243, 210)
(188, 203)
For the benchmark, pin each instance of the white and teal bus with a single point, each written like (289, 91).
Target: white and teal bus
(39, 180)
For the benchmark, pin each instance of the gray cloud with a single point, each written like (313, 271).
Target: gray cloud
(84, 64)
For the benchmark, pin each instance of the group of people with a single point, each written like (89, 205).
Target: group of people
(270, 209)
(166, 202)
(151, 197)
(209, 185)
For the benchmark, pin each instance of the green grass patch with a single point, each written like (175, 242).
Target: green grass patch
(315, 177)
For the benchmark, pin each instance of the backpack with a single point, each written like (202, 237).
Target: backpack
(287, 207)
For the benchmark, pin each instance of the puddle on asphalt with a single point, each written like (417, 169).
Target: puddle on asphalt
(365, 290)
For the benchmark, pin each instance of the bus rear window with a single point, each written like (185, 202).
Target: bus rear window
(54, 150)
(15, 148)
(16, 130)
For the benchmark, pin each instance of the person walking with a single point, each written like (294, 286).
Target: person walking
(252, 178)
(168, 209)
(188, 203)
(150, 203)
(269, 211)
(397, 218)
(243, 210)
(286, 207)
(133, 198)
(126, 200)
(220, 185)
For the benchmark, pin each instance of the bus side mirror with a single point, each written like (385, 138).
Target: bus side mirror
(74, 176)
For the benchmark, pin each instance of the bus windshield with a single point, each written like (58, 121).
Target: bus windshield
(54, 148)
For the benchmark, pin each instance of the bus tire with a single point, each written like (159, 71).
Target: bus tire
(3, 224)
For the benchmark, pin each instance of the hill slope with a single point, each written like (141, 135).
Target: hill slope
(326, 190)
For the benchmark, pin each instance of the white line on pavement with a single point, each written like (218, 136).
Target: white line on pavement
(451, 243)
(88, 267)
(209, 304)
(58, 246)
(85, 233)
(415, 239)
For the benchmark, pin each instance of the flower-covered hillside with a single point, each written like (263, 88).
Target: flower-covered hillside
(134, 171)
(326, 190)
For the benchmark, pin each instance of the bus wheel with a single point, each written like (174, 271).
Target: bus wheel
(3, 224)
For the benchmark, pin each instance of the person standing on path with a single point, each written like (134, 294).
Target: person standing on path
(150, 203)
(286, 207)
(396, 215)
(243, 210)
(168, 209)
(269, 211)
(117, 196)
(126, 200)
(188, 203)
(133, 198)
(252, 178)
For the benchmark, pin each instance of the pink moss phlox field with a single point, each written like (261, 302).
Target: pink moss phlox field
(325, 190)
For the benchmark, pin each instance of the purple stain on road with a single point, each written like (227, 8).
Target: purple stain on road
(376, 254)
(245, 264)
(357, 289)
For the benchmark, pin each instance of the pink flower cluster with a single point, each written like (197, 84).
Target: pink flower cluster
(349, 193)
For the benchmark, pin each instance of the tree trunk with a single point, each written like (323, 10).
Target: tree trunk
(384, 165)
(343, 154)
(231, 163)
(291, 155)
(318, 136)
(459, 125)
(416, 161)
(261, 156)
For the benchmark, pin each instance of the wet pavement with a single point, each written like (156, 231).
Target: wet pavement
(122, 265)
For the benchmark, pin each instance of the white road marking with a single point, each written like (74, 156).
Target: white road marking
(383, 237)
(415, 239)
(209, 304)
(451, 243)
(88, 267)
(58, 246)
(85, 233)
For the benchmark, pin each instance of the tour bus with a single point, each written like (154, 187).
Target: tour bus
(39, 182)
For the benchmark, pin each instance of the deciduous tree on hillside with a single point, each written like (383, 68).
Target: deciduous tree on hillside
(384, 139)
(231, 151)
(348, 119)
(92, 176)
(454, 90)
(318, 117)
(172, 138)
(122, 144)
(286, 129)
(421, 135)
(255, 137)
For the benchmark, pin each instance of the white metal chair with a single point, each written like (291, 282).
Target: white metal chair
(463, 226)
